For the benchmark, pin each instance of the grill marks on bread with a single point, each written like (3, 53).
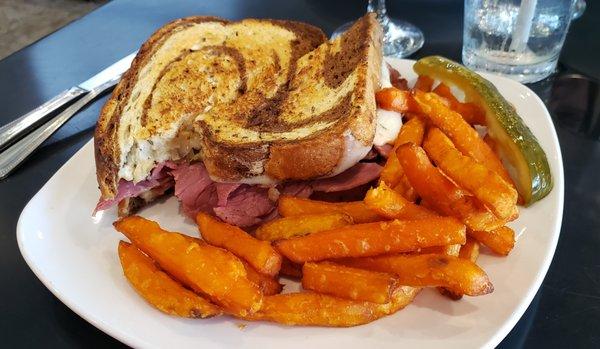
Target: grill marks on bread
(182, 86)
(319, 82)
(108, 151)
(337, 67)
(325, 97)
(193, 70)
(106, 147)
(340, 64)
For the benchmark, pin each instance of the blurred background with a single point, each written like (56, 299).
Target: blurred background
(23, 22)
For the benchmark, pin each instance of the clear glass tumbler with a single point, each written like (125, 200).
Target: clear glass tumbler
(520, 39)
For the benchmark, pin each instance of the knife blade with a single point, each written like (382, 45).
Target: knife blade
(16, 129)
(18, 152)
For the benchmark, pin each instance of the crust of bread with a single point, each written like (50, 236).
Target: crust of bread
(107, 147)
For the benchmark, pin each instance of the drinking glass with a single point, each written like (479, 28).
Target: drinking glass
(400, 38)
(580, 6)
(520, 39)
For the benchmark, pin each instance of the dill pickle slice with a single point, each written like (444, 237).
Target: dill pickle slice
(517, 145)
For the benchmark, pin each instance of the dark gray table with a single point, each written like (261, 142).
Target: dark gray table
(566, 310)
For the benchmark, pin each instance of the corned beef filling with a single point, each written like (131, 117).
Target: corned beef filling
(241, 204)
(159, 178)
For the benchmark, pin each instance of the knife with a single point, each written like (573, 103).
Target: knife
(19, 151)
(19, 127)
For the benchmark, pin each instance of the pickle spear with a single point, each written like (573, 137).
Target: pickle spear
(516, 144)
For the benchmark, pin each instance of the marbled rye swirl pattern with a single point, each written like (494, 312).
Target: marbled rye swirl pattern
(227, 93)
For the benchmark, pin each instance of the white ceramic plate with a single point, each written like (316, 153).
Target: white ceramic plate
(75, 256)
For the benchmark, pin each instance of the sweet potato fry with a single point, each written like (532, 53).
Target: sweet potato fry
(205, 269)
(490, 142)
(314, 309)
(392, 174)
(440, 192)
(291, 206)
(392, 171)
(444, 91)
(494, 146)
(159, 289)
(290, 269)
(449, 293)
(259, 254)
(462, 134)
(487, 186)
(411, 132)
(397, 100)
(388, 203)
(371, 239)
(406, 190)
(472, 113)
(429, 270)
(470, 250)
(268, 285)
(424, 83)
(450, 250)
(289, 227)
(501, 240)
(350, 283)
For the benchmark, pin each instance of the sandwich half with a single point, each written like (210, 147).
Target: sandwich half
(233, 114)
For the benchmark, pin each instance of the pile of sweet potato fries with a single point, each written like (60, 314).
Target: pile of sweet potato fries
(443, 192)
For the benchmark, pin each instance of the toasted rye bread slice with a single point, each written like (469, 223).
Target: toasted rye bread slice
(187, 67)
(322, 124)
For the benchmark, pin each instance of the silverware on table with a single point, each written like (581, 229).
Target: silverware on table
(12, 156)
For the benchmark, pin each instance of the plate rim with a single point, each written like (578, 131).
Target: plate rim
(493, 341)
(114, 332)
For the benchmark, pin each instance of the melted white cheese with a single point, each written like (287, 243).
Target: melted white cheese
(354, 152)
(385, 76)
(388, 125)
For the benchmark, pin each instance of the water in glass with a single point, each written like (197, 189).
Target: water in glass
(520, 39)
